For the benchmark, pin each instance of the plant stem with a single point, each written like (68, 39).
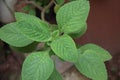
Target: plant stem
(45, 9)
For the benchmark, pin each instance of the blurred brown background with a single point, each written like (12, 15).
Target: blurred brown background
(104, 25)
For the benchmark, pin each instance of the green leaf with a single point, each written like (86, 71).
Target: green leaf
(26, 8)
(29, 48)
(29, 9)
(91, 66)
(55, 34)
(71, 18)
(32, 12)
(55, 76)
(37, 66)
(56, 8)
(33, 28)
(11, 35)
(104, 54)
(72, 0)
(65, 48)
(59, 1)
(53, 27)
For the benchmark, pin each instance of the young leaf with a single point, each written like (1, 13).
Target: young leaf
(29, 9)
(59, 2)
(56, 8)
(55, 76)
(65, 48)
(71, 18)
(55, 34)
(37, 66)
(11, 35)
(33, 28)
(32, 12)
(91, 66)
(104, 54)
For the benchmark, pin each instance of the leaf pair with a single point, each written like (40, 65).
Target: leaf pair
(27, 29)
(91, 62)
(65, 48)
(71, 18)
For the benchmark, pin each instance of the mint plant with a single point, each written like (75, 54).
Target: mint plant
(71, 23)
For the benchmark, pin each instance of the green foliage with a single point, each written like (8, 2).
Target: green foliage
(28, 30)
(29, 9)
(59, 2)
(42, 2)
(55, 76)
(56, 8)
(71, 18)
(11, 35)
(65, 48)
(33, 28)
(91, 66)
(37, 66)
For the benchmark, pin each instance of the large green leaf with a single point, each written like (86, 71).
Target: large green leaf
(37, 66)
(55, 76)
(11, 35)
(91, 66)
(65, 48)
(104, 54)
(71, 18)
(33, 28)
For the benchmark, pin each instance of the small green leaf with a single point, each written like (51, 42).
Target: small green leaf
(59, 1)
(37, 66)
(104, 54)
(65, 48)
(91, 66)
(32, 12)
(29, 9)
(29, 48)
(72, 0)
(11, 35)
(55, 34)
(56, 8)
(55, 76)
(53, 27)
(33, 28)
(26, 8)
(71, 17)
